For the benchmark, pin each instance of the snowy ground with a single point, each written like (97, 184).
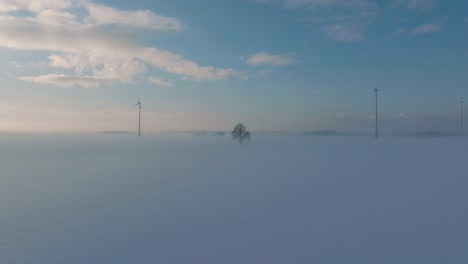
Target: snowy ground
(187, 199)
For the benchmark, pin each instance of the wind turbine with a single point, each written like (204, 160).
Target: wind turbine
(461, 117)
(376, 91)
(139, 116)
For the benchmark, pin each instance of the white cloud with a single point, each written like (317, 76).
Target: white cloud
(35, 34)
(68, 80)
(51, 16)
(426, 28)
(345, 32)
(106, 68)
(176, 64)
(76, 35)
(160, 82)
(92, 13)
(34, 5)
(100, 14)
(267, 59)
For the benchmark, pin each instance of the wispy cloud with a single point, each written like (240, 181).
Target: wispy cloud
(400, 31)
(341, 20)
(267, 59)
(309, 3)
(426, 28)
(160, 82)
(349, 20)
(402, 115)
(86, 50)
(345, 32)
(351, 4)
(421, 5)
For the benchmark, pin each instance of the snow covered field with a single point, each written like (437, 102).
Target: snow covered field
(276, 199)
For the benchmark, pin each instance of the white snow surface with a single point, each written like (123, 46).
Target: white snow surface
(67, 199)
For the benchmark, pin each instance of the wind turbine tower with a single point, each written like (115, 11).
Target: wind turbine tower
(461, 117)
(376, 91)
(139, 116)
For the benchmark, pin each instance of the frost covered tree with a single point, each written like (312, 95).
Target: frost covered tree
(240, 133)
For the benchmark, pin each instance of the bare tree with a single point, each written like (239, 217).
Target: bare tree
(240, 133)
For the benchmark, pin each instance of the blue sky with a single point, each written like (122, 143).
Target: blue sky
(281, 65)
